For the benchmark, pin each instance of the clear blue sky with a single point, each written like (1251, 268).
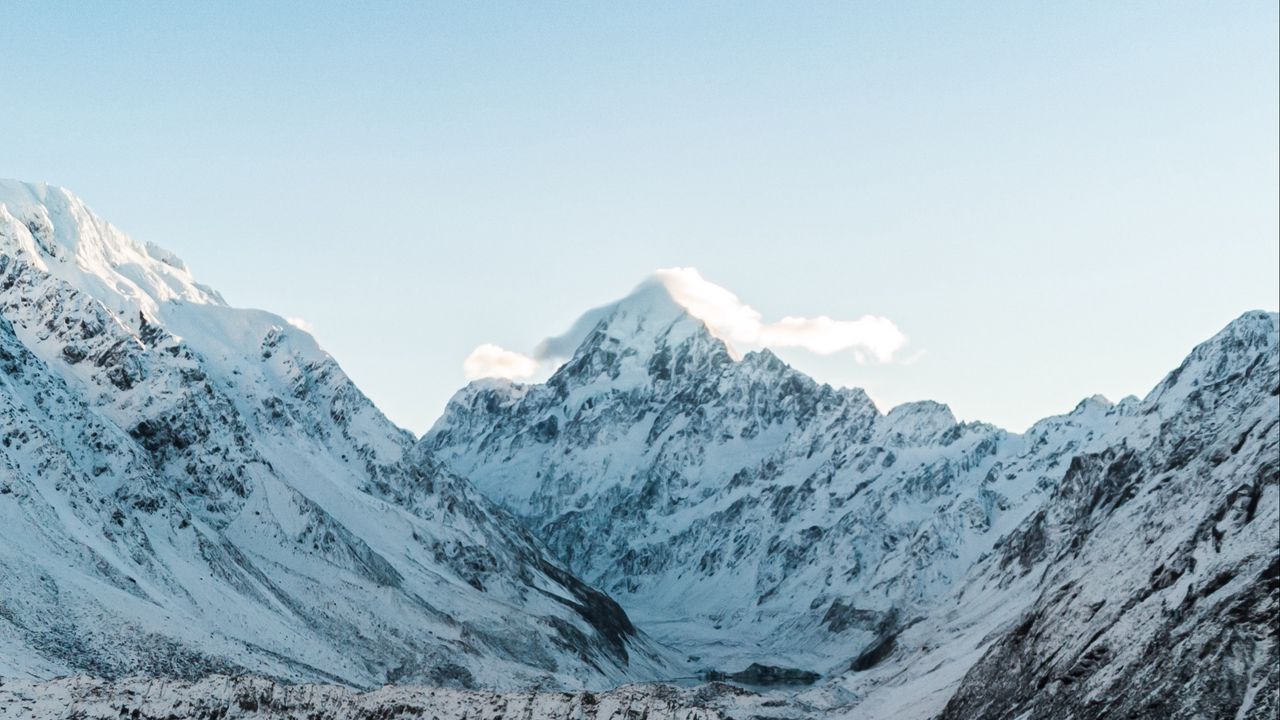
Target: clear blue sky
(1049, 199)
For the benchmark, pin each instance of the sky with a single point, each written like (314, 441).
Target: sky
(1045, 200)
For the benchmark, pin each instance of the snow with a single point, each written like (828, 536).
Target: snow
(193, 490)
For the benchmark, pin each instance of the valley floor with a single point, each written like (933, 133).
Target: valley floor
(253, 698)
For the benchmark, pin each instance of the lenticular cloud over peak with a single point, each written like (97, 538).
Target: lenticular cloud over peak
(870, 338)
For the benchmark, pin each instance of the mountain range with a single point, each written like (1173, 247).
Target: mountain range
(189, 489)
(744, 513)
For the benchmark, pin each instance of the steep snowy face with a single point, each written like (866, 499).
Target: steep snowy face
(740, 510)
(187, 487)
(1143, 585)
(63, 238)
(1155, 564)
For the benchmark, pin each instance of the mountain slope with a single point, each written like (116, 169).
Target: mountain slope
(189, 487)
(1156, 563)
(1144, 585)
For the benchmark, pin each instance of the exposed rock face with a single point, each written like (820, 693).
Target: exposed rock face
(187, 488)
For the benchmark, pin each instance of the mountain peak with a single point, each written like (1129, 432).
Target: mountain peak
(642, 339)
(1233, 355)
(56, 231)
(636, 320)
(1254, 324)
(915, 422)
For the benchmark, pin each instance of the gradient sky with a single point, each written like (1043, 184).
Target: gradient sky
(1050, 200)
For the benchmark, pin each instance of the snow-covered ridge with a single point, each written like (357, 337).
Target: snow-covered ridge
(65, 239)
(188, 487)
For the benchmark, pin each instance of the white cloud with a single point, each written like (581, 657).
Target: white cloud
(301, 324)
(489, 360)
(870, 336)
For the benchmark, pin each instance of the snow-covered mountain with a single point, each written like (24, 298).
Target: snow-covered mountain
(1150, 579)
(1145, 585)
(738, 508)
(187, 487)
(192, 490)
(742, 512)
